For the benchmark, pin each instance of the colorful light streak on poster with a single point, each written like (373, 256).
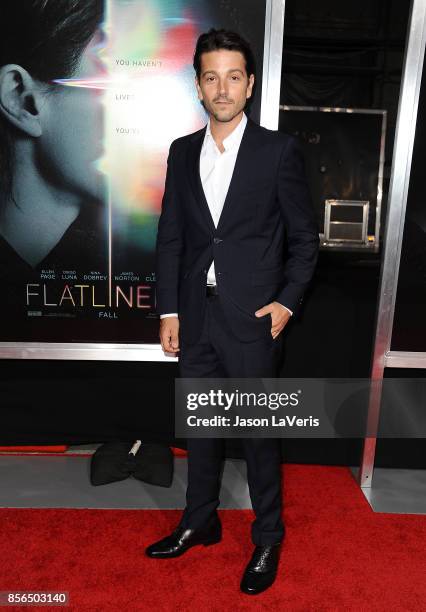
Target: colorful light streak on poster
(150, 102)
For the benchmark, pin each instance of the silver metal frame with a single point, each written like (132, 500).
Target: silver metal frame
(272, 62)
(83, 351)
(372, 245)
(272, 58)
(399, 183)
(328, 220)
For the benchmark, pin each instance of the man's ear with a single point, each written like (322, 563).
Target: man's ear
(250, 85)
(199, 92)
(20, 99)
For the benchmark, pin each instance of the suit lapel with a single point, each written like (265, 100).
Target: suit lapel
(242, 165)
(241, 168)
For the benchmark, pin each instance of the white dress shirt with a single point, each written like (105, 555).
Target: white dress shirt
(216, 171)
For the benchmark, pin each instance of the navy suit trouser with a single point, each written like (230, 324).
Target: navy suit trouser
(219, 354)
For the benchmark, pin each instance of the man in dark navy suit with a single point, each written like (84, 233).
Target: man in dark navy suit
(237, 246)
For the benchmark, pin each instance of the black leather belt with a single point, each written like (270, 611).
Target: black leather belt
(211, 290)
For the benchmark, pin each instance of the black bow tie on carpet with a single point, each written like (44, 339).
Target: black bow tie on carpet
(114, 461)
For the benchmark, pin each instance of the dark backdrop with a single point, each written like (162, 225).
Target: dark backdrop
(51, 402)
(338, 54)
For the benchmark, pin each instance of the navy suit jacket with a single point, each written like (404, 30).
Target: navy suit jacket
(265, 246)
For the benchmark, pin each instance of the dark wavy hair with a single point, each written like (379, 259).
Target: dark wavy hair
(213, 40)
(47, 38)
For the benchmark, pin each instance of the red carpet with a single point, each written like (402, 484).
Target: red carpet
(338, 555)
(33, 449)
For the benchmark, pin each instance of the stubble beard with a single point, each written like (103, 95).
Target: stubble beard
(225, 116)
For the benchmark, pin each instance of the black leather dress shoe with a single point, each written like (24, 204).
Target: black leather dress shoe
(182, 539)
(261, 569)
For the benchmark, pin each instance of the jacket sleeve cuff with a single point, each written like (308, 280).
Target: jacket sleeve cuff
(166, 300)
(290, 311)
(292, 297)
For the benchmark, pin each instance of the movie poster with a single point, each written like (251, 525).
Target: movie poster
(93, 93)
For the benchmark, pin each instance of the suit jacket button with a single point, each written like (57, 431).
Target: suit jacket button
(217, 240)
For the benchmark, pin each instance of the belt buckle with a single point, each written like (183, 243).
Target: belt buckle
(211, 290)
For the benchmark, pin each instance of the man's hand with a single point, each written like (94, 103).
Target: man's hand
(279, 315)
(169, 334)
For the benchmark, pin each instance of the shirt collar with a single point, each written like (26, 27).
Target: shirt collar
(234, 137)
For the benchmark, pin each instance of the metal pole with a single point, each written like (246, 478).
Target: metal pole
(272, 60)
(400, 177)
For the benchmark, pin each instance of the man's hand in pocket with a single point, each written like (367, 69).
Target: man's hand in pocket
(280, 316)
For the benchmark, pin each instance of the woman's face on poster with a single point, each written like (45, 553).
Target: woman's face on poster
(72, 121)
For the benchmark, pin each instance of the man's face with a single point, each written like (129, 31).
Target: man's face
(224, 85)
